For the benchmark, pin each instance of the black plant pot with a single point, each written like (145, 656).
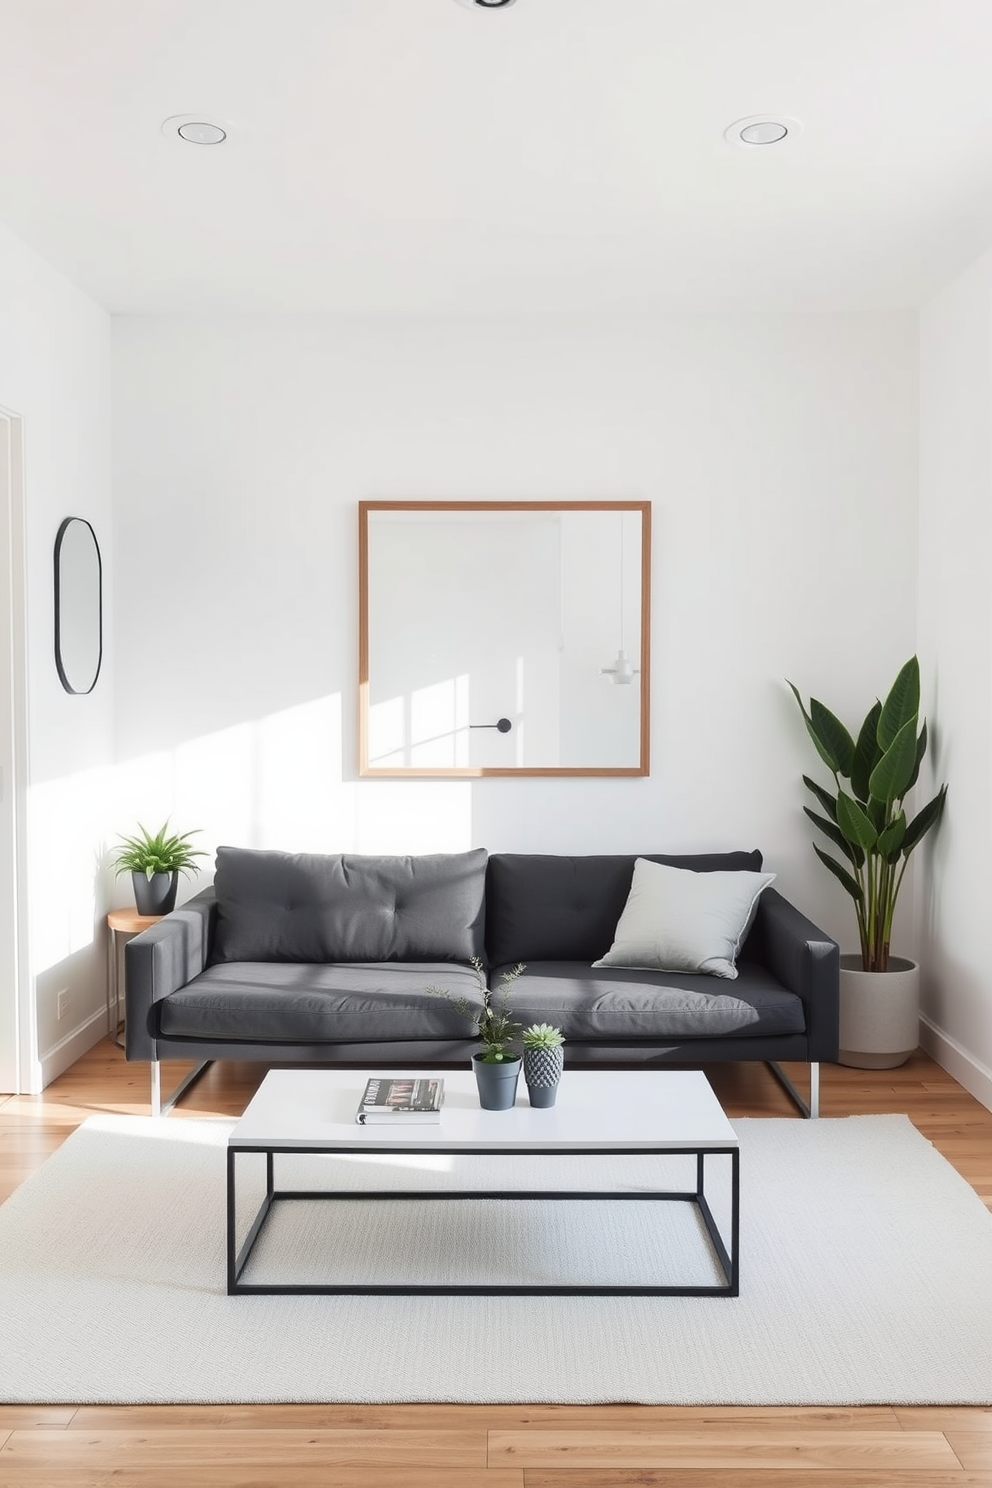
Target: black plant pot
(155, 895)
(497, 1082)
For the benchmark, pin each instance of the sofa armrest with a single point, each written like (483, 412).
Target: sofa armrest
(807, 962)
(160, 960)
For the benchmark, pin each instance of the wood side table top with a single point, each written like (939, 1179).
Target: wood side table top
(129, 921)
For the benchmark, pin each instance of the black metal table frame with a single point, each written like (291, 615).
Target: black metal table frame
(728, 1256)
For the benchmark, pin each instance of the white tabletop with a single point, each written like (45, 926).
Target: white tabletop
(671, 1110)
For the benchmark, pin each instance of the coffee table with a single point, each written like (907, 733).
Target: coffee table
(597, 1113)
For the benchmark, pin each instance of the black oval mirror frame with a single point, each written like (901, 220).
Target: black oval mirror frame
(78, 606)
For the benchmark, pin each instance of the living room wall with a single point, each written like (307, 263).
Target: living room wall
(55, 375)
(780, 455)
(955, 618)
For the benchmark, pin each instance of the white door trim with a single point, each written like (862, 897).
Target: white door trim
(18, 1031)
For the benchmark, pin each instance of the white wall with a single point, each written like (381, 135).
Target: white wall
(955, 618)
(55, 373)
(780, 456)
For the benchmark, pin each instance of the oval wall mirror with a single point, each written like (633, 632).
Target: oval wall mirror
(78, 606)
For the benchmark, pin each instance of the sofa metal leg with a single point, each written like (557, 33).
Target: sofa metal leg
(812, 1109)
(162, 1107)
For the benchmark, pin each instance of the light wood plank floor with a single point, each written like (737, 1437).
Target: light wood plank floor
(528, 1446)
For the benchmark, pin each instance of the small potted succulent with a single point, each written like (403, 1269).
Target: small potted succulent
(543, 1060)
(497, 1063)
(155, 863)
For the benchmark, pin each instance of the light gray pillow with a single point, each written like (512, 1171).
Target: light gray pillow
(679, 920)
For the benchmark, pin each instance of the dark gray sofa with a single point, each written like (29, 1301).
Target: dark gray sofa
(327, 960)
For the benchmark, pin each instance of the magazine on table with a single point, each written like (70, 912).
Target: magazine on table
(392, 1100)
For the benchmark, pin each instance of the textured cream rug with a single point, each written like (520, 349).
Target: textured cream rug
(866, 1268)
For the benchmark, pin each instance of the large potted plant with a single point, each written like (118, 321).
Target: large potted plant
(155, 863)
(865, 818)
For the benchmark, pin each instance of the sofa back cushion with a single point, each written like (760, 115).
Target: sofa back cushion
(308, 907)
(549, 908)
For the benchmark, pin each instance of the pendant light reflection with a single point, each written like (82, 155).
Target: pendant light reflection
(622, 671)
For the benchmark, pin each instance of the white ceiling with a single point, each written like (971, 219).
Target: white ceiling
(414, 155)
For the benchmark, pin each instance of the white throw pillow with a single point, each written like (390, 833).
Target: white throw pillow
(678, 920)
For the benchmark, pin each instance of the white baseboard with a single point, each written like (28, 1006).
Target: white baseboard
(951, 1056)
(57, 1060)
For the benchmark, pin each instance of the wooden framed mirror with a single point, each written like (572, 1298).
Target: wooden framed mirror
(504, 638)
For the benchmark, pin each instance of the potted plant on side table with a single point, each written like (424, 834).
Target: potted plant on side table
(497, 1063)
(155, 863)
(866, 819)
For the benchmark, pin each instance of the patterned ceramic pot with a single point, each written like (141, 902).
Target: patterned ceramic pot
(542, 1071)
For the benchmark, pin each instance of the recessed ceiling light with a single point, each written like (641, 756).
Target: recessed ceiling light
(762, 129)
(486, 4)
(195, 129)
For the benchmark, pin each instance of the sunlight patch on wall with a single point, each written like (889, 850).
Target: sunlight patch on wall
(67, 863)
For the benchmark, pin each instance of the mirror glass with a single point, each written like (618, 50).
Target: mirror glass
(501, 638)
(78, 606)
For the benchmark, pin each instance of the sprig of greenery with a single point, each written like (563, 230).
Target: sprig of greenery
(543, 1036)
(494, 1021)
(867, 821)
(160, 853)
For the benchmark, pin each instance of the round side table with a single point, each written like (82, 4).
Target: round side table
(122, 924)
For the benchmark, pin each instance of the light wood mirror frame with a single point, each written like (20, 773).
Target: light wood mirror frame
(388, 591)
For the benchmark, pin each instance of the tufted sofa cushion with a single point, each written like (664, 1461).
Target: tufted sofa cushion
(310, 907)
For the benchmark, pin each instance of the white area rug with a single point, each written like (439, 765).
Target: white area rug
(866, 1278)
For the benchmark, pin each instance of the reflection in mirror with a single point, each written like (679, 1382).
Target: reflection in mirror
(78, 606)
(501, 638)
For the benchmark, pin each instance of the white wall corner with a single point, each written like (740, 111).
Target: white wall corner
(970, 1072)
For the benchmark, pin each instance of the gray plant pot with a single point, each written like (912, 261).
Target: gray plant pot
(879, 1013)
(155, 895)
(542, 1072)
(497, 1083)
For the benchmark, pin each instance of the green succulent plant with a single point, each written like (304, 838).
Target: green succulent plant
(866, 818)
(494, 1021)
(160, 853)
(543, 1036)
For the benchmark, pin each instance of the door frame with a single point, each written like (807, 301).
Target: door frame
(18, 1032)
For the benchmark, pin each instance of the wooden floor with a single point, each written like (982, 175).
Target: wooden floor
(528, 1446)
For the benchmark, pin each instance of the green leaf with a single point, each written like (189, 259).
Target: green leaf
(879, 813)
(826, 800)
(835, 743)
(891, 776)
(851, 884)
(923, 821)
(902, 705)
(832, 748)
(921, 749)
(850, 850)
(866, 753)
(890, 841)
(160, 853)
(855, 824)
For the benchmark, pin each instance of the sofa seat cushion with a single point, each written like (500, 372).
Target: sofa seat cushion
(274, 1002)
(313, 907)
(620, 1004)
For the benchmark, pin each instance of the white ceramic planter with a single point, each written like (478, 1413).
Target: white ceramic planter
(879, 1013)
